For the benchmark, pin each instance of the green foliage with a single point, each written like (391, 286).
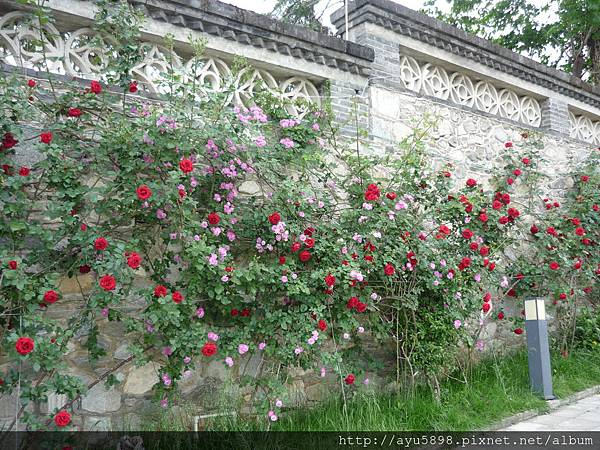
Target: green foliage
(587, 330)
(560, 33)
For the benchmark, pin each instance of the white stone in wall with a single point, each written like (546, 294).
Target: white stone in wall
(141, 379)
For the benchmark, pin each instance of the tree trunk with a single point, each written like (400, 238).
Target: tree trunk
(593, 44)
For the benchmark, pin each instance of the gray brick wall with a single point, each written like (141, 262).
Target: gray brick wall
(555, 116)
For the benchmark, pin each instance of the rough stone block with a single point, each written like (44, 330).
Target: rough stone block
(141, 379)
(101, 400)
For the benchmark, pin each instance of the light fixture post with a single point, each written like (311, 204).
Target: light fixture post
(538, 348)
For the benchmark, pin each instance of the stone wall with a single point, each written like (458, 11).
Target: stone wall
(398, 67)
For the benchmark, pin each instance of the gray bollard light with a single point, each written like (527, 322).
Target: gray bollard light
(538, 348)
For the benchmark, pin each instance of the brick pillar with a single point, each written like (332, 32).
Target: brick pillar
(350, 105)
(555, 116)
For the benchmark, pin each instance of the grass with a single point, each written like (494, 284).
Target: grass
(497, 388)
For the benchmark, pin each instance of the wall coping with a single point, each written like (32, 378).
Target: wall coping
(249, 28)
(431, 31)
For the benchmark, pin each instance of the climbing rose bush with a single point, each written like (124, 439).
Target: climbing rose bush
(212, 233)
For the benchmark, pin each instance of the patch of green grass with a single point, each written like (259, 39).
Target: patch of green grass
(495, 389)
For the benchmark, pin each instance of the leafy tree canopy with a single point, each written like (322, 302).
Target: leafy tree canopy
(564, 34)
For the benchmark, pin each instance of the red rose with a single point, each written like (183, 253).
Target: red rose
(213, 218)
(389, 269)
(579, 231)
(245, 312)
(554, 265)
(177, 297)
(74, 112)
(486, 307)
(304, 256)
(596, 208)
(160, 291)
(496, 205)
(234, 312)
(352, 303)
(483, 217)
(372, 193)
(513, 212)
(282, 260)
(467, 234)
(12, 265)
(186, 165)
(100, 244)
(24, 345)
(7, 169)
(8, 142)
(562, 296)
(134, 260)
(31, 83)
(484, 251)
(95, 87)
(84, 269)
(526, 161)
(465, 262)
(517, 172)
(46, 137)
(487, 297)
(296, 246)
(585, 178)
(534, 229)
(274, 218)
(24, 171)
(491, 266)
(50, 297)
(330, 280)
(471, 182)
(361, 307)
(503, 220)
(349, 379)
(391, 195)
(309, 242)
(508, 144)
(322, 325)
(143, 192)
(209, 349)
(500, 315)
(509, 181)
(505, 198)
(577, 265)
(133, 87)
(62, 418)
(518, 331)
(108, 282)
